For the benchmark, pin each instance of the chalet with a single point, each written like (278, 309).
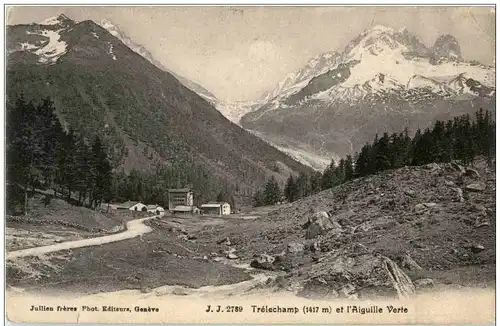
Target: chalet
(132, 206)
(180, 197)
(155, 209)
(216, 208)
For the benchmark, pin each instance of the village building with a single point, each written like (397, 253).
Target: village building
(183, 209)
(180, 197)
(155, 209)
(133, 206)
(221, 208)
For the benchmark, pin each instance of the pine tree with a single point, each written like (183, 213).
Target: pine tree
(328, 178)
(348, 168)
(272, 192)
(382, 153)
(290, 190)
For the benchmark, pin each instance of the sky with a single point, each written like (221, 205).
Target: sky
(238, 53)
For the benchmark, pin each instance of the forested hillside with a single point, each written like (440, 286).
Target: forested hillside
(462, 138)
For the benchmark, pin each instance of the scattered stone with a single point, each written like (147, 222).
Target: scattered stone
(480, 209)
(410, 192)
(317, 289)
(449, 183)
(424, 283)
(295, 247)
(457, 167)
(232, 255)
(348, 289)
(420, 208)
(293, 287)
(471, 173)
(460, 195)
(482, 221)
(145, 289)
(409, 263)
(205, 258)
(430, 205)
(264, 261)
(180, 291)
(225, 241)
(432, 166)
(191, 237)
(475, 248)
(477, 187)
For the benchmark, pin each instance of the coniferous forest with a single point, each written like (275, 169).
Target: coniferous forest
(464, 138)
(42, 155)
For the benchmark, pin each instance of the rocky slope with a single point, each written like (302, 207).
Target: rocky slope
(392, 234)
(384, 80)
(99, 85)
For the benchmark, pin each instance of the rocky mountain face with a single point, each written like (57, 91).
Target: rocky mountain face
(384, 81)
(145, 115)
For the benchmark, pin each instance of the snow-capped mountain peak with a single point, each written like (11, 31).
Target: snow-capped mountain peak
(385, 80)
(61, 19)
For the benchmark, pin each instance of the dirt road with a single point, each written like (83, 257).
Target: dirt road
(134, 228)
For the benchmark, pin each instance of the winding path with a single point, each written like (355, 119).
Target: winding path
(134, 228)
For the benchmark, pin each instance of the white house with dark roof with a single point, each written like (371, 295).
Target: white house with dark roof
(133, 206)
(221, 208)
(155, 209)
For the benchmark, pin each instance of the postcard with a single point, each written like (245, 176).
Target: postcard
(250, 164)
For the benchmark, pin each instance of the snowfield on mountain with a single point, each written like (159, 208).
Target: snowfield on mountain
(385, 78)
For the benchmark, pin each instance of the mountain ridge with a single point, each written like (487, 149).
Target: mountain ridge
(374, 80)
(145, 115)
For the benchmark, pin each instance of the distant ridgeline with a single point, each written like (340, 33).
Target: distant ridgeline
(460, 139)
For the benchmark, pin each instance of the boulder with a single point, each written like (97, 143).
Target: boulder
(480, 209)
(409, 263)
(457, 167)
(230, 254)
(363, 276)
(424, 283)
(472, 173)
(225, 241)
(295, 247)
(319, 224)
(475, 248)
(449, 183)
(432, 167)
(180, 291)
(460, 195)
(482, 221)
(316, 289)
(410, 192)
(264, 261)
(476, 187)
